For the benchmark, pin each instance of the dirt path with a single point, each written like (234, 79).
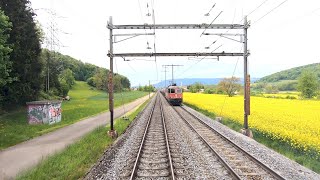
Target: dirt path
(25, 155)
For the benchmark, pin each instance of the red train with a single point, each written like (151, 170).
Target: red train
(173, 94)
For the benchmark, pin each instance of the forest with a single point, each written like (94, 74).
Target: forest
(28, 72)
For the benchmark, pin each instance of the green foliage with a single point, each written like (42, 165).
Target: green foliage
(64, 88)
(5, 50)
(229, 85)
(90, 82)
(271, 89)
(65, 69)
(308, 84)
(84, 103)
(68, 164)
(291, 74)
(194, 88)
(209, 91)
(274, 87)
(100, 79)
(67, 76)
(147, 88)
(26, 66)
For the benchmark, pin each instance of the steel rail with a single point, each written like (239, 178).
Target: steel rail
(167, 140)
(135, 167)
(221, 159)
(266, 168)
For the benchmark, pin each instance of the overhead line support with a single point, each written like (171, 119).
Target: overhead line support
(245, 54)
(174, 54)
(178, 26)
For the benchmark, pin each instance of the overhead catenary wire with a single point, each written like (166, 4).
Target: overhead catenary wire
(154, 23)
(121, 93)
(234, 15)
(234, 70)
(211, 23)
(269, 12)
(191, 66)
(142, 19)
(154, 37)
(208, 14)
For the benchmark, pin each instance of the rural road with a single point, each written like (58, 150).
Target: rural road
(20, 157)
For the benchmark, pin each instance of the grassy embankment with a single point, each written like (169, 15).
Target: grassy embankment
(78, 158)
(279, 110)
(84, 103)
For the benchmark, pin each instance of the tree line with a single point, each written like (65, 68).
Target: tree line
(307, 84)
(26, 69)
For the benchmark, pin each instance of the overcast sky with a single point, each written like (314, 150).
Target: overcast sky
(286, 37)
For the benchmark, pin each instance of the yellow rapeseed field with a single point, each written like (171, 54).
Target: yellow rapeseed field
(294, 121)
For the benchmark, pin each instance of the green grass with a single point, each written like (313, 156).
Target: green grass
(78, 158)
(84, 102)
(310, 160)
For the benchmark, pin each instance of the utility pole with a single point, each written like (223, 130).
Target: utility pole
(112, 132)
(172, 65)
(149, 89)
(165, 76)
(246, 78)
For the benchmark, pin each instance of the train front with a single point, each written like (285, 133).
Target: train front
(174, 95)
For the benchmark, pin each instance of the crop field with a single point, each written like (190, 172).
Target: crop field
(296, 122)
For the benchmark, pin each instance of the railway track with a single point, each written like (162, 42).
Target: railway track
(240, 164)
(166, 142)
(153, 158)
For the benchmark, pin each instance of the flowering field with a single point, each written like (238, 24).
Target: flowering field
(294, 121)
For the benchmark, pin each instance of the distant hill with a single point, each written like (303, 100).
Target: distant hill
(189, 81)
(291, 74)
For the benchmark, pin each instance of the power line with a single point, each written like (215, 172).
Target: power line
(234, 15)
(154, 38)
(234, 70)
(211, 23)
(269, 12)
(198, 62)
(142, 19)
(208, 14)
(256, 8)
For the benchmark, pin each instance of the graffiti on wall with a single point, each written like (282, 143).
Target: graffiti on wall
(44, 113)
(54, 113)
(36, 113)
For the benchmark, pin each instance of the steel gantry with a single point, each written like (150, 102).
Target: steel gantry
(245, 55)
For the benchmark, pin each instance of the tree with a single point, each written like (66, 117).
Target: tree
(101, 79)
(5, 50)
(308, 84)
(271, 89)
(68, 77)
(194, 88)
(229, 85)
(26, 65)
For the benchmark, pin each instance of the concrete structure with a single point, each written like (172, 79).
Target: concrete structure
(44, 112)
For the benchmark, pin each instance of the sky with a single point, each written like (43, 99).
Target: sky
(283, 34)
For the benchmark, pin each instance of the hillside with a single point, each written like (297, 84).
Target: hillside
(189, 81)
(291, 74)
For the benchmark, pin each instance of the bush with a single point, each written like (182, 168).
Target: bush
(64, 89)
(209, 91)
(290, 97)
(90, 82)
(43, 96)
